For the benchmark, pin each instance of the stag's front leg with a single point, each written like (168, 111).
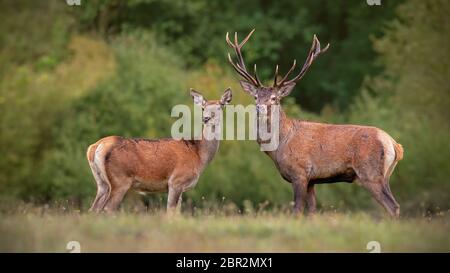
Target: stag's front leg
(300, 193)
(311, 199)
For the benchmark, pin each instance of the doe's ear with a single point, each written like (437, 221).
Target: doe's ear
(285, 90)
(248, 87)
(197, 97)
(226, 97)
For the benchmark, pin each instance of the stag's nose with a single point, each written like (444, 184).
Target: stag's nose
(206, 119)
(261, 109)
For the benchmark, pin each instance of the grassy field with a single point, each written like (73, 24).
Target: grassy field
(41, 230)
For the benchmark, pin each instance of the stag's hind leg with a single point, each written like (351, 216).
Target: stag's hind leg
(373, 168)
(379, 188)
(395, 207)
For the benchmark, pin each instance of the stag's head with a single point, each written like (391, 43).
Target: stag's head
(269, 95)
(211, 108)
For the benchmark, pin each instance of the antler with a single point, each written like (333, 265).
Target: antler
(240, 65)
(241, 69)
(314, 52)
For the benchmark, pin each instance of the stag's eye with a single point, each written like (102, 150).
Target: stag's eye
(273, 99)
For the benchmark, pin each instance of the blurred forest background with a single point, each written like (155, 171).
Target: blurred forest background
(70, 75)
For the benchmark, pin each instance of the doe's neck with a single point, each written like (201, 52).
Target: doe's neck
(207, 147)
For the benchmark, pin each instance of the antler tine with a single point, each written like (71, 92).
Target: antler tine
(228, 40)
(275, 77)
(325, 49)
(288, 73)
(240, 65)
(246, 38)
(235, 46)
(240, 71)
(236, 43)
(314, 52)
(238, 46)
(256, 75)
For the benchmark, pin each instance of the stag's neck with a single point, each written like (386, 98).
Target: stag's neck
(285, 128)
(207, 149)
(285, 125)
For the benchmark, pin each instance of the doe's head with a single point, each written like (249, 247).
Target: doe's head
(210, 108)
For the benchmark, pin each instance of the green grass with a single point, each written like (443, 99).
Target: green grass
(41, 230)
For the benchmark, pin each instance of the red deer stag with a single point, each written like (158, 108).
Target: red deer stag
(119, 164)
(311, 153)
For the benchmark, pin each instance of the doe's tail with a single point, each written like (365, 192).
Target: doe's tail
(96, 154)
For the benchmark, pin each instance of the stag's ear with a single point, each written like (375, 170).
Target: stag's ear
(285, 90)
(197, 97)
(226, 97)
(248, 87)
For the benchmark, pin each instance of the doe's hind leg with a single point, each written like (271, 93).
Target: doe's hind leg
(119, 187)
(102, 190)
(100, 198)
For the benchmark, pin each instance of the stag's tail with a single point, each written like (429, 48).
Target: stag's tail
(398, 151)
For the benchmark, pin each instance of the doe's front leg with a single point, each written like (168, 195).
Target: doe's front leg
(174, 200)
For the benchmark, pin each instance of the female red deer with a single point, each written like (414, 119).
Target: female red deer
(311, 153)
(160, 165)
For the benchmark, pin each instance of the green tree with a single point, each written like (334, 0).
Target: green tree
(196, 30)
